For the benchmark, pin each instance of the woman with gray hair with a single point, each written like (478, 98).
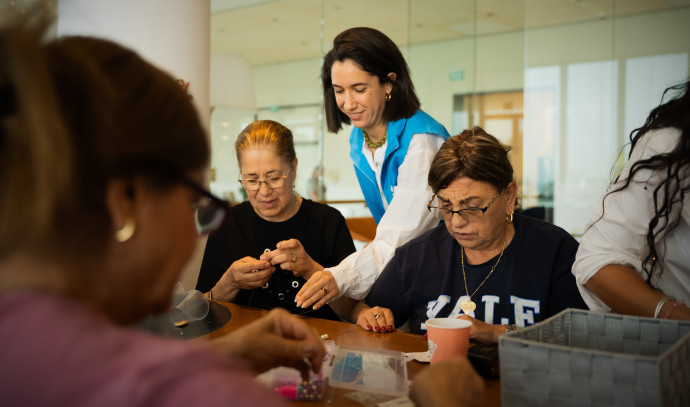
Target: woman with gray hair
(484, 263)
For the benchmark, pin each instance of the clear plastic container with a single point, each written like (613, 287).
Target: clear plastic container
(287, 383)
(369, 370)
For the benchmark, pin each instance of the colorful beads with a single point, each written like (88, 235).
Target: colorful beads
(311, 389)
(286, 391)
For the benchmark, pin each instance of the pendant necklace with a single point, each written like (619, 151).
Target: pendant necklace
(468, 305)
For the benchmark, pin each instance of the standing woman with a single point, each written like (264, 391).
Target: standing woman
(635, 254)
(366, 83)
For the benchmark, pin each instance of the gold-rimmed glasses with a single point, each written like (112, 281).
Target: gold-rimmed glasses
(254, 184)
(446, 209)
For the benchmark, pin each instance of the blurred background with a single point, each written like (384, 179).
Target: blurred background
(563, 82)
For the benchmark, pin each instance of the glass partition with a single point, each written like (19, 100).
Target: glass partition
(587, 86)
(563, 82)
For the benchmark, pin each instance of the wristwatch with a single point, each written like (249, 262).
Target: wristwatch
(512, 327)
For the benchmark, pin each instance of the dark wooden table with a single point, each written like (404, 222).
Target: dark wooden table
(350, 334)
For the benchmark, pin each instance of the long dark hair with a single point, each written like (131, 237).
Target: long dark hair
(674, 164)
(378, 55)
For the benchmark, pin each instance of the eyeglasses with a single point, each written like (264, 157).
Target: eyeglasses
(210, 211)
(468, 213)
(254, 184)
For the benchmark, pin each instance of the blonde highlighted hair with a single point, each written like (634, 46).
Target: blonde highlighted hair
(266, 133)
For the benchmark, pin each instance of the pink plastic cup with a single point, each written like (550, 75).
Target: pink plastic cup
(447, 337)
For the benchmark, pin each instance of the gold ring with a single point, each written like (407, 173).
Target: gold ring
(293, 258)
(324, 290)
(376, 316)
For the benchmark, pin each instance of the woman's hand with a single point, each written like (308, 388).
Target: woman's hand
(244, 274)
(375, 319)
(290, 255)
(318, 290)
(483, 332)
(450, 383)
(278, 339)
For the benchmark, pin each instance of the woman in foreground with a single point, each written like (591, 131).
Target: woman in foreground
(101, 158)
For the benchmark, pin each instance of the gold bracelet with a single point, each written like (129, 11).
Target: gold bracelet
(210, 295)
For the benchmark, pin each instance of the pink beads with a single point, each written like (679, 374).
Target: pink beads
(290, 389)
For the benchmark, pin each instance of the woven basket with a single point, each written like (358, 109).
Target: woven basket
(584, 358)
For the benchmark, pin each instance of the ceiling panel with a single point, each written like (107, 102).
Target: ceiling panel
(267, 32)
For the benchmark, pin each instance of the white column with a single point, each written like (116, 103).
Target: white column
(174, 35)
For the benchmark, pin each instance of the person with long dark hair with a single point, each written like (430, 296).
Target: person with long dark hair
(366, 83)
(635, 253)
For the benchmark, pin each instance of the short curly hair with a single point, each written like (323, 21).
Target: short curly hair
(475, 154)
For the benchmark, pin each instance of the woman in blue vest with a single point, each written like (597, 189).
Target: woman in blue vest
(366, 83)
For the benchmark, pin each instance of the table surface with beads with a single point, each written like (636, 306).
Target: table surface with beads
(351, 335)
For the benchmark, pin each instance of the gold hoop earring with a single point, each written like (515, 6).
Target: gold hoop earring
(509, 217)
(388, 97)
(126, 232)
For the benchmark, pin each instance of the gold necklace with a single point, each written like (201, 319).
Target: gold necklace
(370, 143)
(468, 305)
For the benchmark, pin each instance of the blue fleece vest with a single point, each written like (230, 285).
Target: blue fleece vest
(399, 134)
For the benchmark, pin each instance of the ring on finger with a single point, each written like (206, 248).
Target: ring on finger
(255, 271)
(324, 290)
(376, 316)
(293, 258)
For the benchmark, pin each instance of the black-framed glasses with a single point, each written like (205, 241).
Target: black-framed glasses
(210, 211)
(254, 184)
(447, 211)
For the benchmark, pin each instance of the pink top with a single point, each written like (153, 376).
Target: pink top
(56, 352)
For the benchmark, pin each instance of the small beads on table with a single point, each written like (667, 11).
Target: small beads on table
(310, 389)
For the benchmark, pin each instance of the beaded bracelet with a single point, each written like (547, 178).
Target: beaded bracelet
(660, 305)
(675, 304)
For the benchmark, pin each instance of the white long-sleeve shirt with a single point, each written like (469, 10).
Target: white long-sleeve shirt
(406, 217)
(619, 237)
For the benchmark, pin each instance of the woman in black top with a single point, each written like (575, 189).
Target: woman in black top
(269, 245)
